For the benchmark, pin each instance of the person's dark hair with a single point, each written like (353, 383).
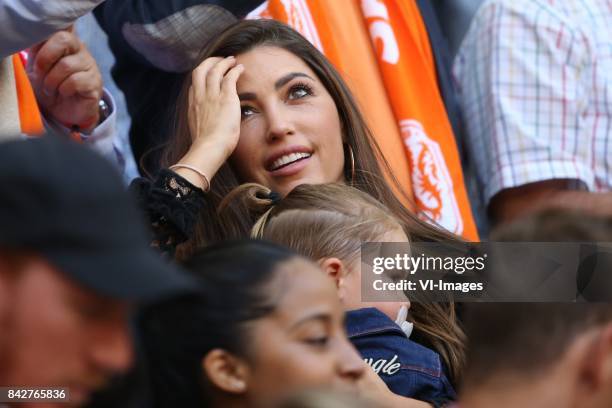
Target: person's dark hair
(178, 334)
(523, 339)
(368, 176)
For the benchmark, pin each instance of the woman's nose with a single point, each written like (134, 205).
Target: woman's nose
(279, 123)
(350, 365)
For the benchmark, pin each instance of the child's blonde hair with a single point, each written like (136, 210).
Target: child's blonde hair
(333, 220)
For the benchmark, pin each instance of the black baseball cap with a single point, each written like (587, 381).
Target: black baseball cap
(65, 202)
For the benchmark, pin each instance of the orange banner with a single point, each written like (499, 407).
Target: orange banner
(29, 114)
(382, 50)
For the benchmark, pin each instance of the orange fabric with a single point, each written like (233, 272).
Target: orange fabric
(408, 71)
(340, 26)
(393, 76)
(29, 113)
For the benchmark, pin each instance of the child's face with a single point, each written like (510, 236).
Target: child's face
(352, 284)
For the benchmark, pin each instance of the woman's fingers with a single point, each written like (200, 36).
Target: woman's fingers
(191, 113)
(216, 74)
(198, 76)
(214, 114)
(214, 108)
(228, 85)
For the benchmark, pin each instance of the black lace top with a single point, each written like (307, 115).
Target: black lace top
(172, 205)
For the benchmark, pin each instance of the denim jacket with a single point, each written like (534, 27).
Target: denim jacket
(408, 369)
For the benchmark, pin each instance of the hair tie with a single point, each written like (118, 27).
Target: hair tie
(274, 197)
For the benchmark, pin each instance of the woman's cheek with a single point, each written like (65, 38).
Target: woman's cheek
(244, 157)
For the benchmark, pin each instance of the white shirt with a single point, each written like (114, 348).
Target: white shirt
(535, 88)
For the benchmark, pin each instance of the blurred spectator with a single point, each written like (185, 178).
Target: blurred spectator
(267, 323)
(74, 261)
(535, 88)
(66, 81)
(68, 87)
(538, 355)
(542, 355)
(25, 22)
(57, 83)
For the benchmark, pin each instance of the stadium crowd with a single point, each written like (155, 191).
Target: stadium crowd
(186, 186)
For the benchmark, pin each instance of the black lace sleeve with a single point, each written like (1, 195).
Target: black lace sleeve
(172, 205)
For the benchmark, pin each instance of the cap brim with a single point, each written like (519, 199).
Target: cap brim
(140, 276)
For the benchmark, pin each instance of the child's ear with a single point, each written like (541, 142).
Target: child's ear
(226, 371)
(335, 269)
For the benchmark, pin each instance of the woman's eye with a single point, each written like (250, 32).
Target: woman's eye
(318, 341)
(246, 111)
(299, 91)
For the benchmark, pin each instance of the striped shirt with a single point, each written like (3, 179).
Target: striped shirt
(535, 87)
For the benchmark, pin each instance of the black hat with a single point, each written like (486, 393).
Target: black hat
(68, 204)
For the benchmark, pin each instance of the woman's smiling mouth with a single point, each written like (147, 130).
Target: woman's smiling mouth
(289, 159)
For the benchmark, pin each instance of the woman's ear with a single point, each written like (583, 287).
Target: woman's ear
(226, 371)
(335, 269)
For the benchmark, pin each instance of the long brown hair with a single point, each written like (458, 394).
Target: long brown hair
(333, 220)
(367, 174)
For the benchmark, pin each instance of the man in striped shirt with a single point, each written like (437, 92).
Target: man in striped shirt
(535, 89)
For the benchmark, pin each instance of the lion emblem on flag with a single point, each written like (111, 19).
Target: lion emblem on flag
(431, 181)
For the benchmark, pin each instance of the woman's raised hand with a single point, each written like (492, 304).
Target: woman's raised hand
(214, 117)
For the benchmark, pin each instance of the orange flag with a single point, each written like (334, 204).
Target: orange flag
(409, 117)
(29, 113)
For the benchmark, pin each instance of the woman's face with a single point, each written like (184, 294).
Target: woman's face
(290, 131)
(303, 343)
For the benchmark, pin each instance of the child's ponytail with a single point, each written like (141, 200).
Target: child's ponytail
(249, 200)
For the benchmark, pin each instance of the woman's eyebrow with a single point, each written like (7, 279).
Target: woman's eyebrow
(249, 96)
(322, 317)
(286, 78)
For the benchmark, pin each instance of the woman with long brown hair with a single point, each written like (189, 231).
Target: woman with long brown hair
(264, 106)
